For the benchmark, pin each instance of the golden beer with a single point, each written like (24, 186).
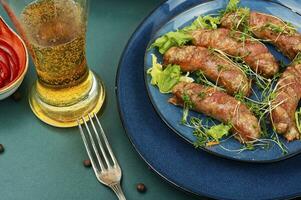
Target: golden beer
(56, 36)
(56, 30)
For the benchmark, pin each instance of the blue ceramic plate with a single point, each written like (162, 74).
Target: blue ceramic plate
(176, 160)
(172, 115)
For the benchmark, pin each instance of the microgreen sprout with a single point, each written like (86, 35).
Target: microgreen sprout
(201, 78)
(205, 134)
(286, 28)
(297, 59)
(274, 139)
(298, 119)
(232, 6)
(261, 82)
(187, 105)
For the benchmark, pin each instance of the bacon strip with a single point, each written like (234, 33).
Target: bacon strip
(253, 52)
(214, 66)
(220, 106)
(288, 95)
(285, 39)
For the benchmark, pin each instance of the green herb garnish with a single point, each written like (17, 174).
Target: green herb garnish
(187, 101)
(171, 39)
(182, 37)
(218, 131)
(202, 95)
(297, 59)
(287, 28)
(206, 22)
(298, 119)
(201, 78)
(187, 105)
(166, 78)
(206, 135)
(232, 6)
(219, 68)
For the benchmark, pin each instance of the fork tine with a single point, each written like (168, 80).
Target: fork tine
(106, 141)
(86, 146)
(94, 146)
(99, 142)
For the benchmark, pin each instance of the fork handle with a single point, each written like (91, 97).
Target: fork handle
(118, 191)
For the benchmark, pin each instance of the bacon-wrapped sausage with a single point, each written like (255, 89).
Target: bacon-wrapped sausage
(253, 52)
(271, 28)
(288, 94)
(214, 66)
(220, 106)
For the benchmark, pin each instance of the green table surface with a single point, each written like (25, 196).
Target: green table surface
(43, 162)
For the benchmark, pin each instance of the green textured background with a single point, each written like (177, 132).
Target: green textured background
(42, 162)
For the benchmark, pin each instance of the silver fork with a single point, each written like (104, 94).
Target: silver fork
(104, 163)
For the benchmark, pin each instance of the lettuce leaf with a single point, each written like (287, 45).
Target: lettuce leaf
(298, 120)
(218, 131)
(166, 78)
(206, 22)
(171, 39)
(182, 37)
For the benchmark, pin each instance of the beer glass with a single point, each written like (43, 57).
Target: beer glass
(55, 34)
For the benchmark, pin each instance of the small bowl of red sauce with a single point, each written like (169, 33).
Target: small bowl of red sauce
(13, 60)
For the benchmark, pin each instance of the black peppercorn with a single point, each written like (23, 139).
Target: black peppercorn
(87, 163)
(1, 148)
(17, 96)
(141, 187)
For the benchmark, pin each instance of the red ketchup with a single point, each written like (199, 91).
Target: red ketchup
(9, 63)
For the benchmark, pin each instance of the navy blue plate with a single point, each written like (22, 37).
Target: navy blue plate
(176, 160)
(172, 115)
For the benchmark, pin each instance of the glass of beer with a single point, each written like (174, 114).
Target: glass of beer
(55, 34)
